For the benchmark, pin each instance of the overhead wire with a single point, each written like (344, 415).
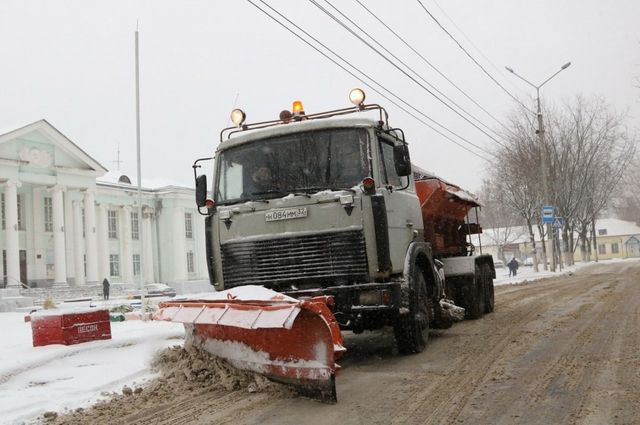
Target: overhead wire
(337, 20)
(469, 40)
(434, 88)
(399, 37)
(373, 80)
(471, 56)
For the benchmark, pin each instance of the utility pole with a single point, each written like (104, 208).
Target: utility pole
(543, 159)
(140, 235)
(545, 184)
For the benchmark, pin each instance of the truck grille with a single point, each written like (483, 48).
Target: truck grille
(308, 258)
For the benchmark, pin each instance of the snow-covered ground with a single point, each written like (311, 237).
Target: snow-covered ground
(34, 380)
(526, 273)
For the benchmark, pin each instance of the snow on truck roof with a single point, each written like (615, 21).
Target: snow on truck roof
(295, 127)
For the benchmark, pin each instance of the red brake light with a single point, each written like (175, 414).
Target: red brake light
(209, 203)
(368, 184)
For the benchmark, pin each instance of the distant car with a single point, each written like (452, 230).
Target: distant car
(528, 262)
(498, 264)
(160, 289)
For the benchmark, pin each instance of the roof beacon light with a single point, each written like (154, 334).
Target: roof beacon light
(297, 108)
(356, 96)
(237, 117)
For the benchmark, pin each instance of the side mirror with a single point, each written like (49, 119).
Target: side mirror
(201, 190)
(401, 160)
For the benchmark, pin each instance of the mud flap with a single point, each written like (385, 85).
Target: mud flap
(291, 341)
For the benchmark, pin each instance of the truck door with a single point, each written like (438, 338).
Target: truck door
(401, 202)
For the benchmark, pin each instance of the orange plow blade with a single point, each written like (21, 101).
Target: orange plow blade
(288, 340)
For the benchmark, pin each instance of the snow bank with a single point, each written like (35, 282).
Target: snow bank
(55, 377)
(526, 273)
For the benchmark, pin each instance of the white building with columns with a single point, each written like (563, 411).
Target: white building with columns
(62, 225)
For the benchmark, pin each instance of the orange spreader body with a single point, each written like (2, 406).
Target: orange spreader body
(444, 208)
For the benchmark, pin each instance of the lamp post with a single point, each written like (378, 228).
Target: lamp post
(543, 165)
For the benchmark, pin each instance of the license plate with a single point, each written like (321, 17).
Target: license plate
(286, 214)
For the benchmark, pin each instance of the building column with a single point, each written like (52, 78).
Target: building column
(126, 260)
(39, 247)
(179, 246)
(78, 252)
(103, 241)
(59, 258)
(147, 247)
(68, 232)
(90, 236)
(11, 233)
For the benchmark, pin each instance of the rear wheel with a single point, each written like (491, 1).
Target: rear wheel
(474, 295)
(412, 325)
(489, 294)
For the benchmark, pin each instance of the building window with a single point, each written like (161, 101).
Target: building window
(136, 264)
(135, 226)
(114, 265)
(190, 268)
(2, 207)
(83, 223)
(602, 232)
(602, 249)
(113, 225)
(614, 248)
(188, 226)
(48, 214)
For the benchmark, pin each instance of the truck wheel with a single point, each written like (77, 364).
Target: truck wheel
(474, 291)
(489, 294)
(411, 328)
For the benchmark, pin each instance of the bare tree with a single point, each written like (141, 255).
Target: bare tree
(586, 149)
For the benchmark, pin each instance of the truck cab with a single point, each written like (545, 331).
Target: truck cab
(324, 205)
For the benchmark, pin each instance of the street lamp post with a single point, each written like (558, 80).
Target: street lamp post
(543, 165)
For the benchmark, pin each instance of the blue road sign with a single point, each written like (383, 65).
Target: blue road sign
(547, 214)
(558, 222)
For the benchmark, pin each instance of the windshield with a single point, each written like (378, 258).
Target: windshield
(296, 163)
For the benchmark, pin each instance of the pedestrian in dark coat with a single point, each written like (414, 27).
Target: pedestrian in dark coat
(105, 289)
(513, 267)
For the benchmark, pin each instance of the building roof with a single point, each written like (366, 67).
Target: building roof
(57, 137)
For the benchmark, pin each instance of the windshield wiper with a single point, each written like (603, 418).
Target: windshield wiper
(269, 192)
(282, 192)
(237, 201)
(306, 190)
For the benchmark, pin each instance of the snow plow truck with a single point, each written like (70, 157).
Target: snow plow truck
(319, 223)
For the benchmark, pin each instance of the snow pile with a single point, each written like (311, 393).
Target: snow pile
(180, 367)
(245, 293)
(184, 373)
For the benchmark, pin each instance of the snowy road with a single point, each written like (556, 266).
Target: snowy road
(560, 350)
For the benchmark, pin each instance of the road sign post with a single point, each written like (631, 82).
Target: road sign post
(547, 214)
(557, 222)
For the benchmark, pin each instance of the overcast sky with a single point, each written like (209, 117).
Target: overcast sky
(72, 62)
